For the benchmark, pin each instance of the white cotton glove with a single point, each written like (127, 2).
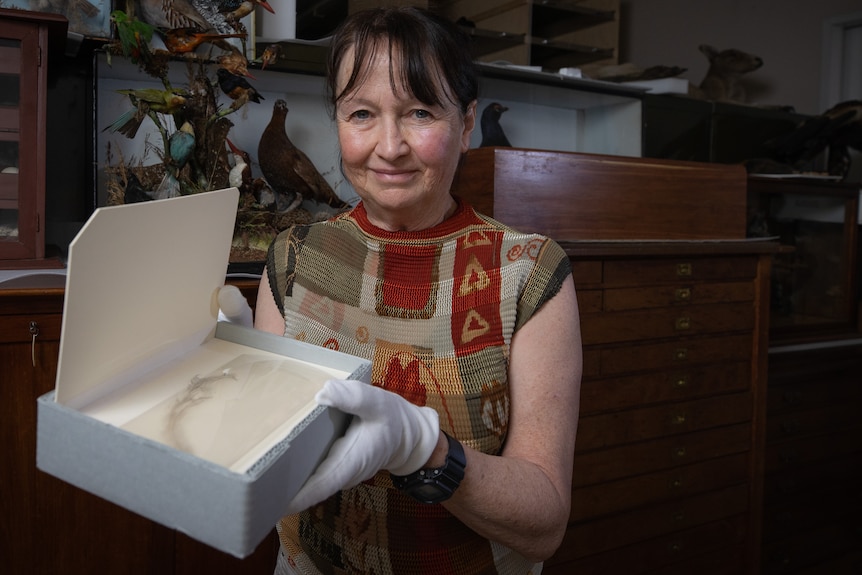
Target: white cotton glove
(233, 307)
(387, 432)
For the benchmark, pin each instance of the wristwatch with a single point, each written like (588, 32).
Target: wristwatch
(435, 485)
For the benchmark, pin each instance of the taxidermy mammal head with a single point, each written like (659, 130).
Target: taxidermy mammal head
(726, 67)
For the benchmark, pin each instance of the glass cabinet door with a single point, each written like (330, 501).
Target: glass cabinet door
(19, 104)
(814, 273)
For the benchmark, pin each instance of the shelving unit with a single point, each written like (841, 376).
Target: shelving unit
(551, 34)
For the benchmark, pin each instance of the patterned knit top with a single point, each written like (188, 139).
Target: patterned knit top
(435, 312)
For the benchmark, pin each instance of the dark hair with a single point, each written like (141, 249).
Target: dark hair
(434, 54)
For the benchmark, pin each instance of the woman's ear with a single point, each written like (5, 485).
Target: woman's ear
(469, 124)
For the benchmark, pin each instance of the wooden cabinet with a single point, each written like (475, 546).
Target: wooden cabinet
(551, 34)
(674, 307)
(25, 39)
(812, 501)
(48, 526)
(668, 457)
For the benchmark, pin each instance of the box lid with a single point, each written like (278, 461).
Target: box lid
(124, 321)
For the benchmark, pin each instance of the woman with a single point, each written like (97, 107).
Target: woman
(471, 327)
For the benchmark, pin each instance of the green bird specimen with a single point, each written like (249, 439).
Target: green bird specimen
(134, 37)
(146, 102)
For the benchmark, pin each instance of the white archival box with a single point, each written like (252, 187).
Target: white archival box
(203, 426)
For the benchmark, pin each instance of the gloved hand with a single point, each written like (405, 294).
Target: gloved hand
(233, 307)
(387, 432)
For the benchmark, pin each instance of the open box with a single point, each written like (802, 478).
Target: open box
(160, 408)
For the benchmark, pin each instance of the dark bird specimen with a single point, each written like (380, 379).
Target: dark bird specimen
(238, 89)
(287, 169)
(838, 129)
(134, 191)
(187, 39)
(147, 101)
(492, 131)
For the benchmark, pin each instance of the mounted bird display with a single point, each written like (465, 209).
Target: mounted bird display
(235, 10)
(492, 131)
(234, 62)
(270, 55)
(287, 169)
(146, 101)
(187, 39)
(167, 14)
(238, 89)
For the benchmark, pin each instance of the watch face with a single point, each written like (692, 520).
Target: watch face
(426, 491)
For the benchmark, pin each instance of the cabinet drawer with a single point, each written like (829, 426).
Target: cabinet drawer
(808, 450)
(622, 299)
(671, 270)
(17, 328)
(788, 424)
(614, 327)
(786, 486)
(629, 460)
(586, 272)
(807, 395)
(615, 496)
(698, 543)
(590, 301)
(620, 427)
(619, 360)
(671, 385)
(588, 537)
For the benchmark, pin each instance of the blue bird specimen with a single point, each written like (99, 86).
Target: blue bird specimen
(181, 144)
(492, 131)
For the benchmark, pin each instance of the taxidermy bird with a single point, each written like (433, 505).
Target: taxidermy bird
(181, 144)
(838, 129)
(237, 9)
(237, 88)
(187, 39)
(269, 55)
(169, 14)
(239, 175)
(235, 62)
(290, 173)
(134, 37)
(492, 131)
(134, 191)
(145, 102)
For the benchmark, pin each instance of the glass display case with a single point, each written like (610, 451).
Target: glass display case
(24, 41)
(814, 285)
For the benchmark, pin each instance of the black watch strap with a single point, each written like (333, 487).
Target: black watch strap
(438, 484)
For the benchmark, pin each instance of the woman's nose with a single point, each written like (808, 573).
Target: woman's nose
(391, 142)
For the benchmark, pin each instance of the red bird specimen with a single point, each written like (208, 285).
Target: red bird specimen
(187, 39)
(287, 169)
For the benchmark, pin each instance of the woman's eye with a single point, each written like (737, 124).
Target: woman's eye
(361, 114)
(422, 114)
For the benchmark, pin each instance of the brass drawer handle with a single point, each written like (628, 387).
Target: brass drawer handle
(682, 323)
(678, 419)
(681, 354)
(683, 269)
(676, 483)
(683, 294)
(678, 517)
(679, 452)
(674, 547)
(681, 381)
(34, 332)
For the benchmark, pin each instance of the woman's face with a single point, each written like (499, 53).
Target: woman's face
(398, 153)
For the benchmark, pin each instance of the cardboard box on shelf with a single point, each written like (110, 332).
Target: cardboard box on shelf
(205, 427)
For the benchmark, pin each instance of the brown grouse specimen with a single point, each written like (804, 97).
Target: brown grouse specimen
(287, 169)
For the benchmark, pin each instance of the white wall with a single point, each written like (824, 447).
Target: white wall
(787, 34)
